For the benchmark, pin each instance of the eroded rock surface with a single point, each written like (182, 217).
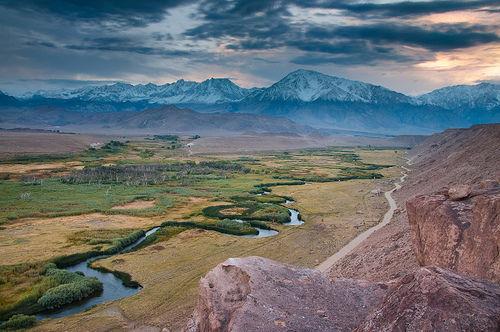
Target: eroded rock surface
(460, 234)
(435, 299)
(257, 294)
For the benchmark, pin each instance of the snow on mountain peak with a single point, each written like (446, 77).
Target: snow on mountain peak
(307, 86)
(300, 86)
(483, 95)
(211, 91)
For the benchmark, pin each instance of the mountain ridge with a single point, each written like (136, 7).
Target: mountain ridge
(300, 85)
(303, 96)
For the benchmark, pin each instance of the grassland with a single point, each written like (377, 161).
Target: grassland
(45, 215)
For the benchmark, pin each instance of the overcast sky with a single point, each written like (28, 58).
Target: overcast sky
(411, 47)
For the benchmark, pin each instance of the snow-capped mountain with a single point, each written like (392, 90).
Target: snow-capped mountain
(309, 86)
(306, 97)
(481, 96)
(211, 91)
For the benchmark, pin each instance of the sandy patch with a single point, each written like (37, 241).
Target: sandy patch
(135, 205)
(30, 168)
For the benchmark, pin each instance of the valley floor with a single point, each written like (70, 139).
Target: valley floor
(51, 207)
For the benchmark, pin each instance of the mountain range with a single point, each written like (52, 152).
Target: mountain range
(306, 97)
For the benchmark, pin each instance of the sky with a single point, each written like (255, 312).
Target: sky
(408, 46)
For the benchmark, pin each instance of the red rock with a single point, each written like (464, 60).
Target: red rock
(257, 294)
(435, 299)
(463, 236)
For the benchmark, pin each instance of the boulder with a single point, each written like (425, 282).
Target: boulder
(258, 294)
(462, 235)
(459, 192)
(435, 299)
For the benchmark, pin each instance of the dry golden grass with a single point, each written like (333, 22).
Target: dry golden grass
(33, 240)
(135, 205)
(38, 168)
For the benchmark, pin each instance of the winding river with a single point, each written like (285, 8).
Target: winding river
(113, 287)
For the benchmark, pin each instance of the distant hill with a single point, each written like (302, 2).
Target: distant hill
(156, 120)
(173, 119)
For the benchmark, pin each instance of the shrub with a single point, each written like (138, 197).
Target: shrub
(252, 211)
(68, 293)
(166, 137)
(18, 322)
(150, 174)
(62, 276)
(113, 146)
(117, 245)
(68, 260)
(223, 226)
(125, 278)
(259, 224)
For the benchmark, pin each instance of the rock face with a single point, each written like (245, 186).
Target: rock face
(257, 294)
(462, 234)
(435, 299)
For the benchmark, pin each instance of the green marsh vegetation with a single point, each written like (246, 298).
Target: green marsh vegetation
(18, 322)
(30, 288)
(225, 226)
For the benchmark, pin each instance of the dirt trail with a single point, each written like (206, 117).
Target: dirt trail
(330, 261)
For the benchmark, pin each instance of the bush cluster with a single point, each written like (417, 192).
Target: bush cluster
(80, 288)
(117, 245)
(252, 211)
(346, 177)
(18, 322)
(166, 137)
(149, 174)
(222, 226)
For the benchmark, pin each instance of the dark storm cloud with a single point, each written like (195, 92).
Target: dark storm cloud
(253, 20)
(118, 38)
(36, 43)
(122, 44)
(440, 37)
(402, 8)
(265, 25)
(346, 53)
(112, 12)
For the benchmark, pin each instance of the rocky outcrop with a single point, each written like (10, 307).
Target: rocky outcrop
(257, 294)
(434, 299)
(458, 229)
